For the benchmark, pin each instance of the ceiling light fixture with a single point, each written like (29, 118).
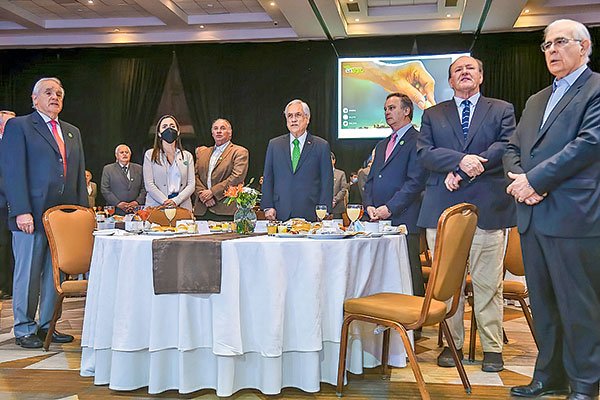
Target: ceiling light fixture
(527, 11)
(209, 5)
(116, 30)
(356, 19)
(201, 26)
(448, 15)
(272, 4)
(90, 1)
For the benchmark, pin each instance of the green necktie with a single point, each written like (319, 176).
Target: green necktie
(295, 154)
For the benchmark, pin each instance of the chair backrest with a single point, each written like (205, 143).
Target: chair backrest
(513, 259)
(455, 231)
(424, 250)
(69, 229)
(157, 216)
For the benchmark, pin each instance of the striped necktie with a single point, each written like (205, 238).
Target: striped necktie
(466, 114)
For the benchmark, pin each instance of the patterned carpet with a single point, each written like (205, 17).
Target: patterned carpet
(59, 367)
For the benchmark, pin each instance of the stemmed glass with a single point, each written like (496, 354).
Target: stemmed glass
(143, 212)
(110, 210)
(321, 211)
(354, 212)
(170, 213)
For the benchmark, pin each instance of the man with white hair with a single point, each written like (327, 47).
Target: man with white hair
(298, 174)
(43, 165)
(122, 182)
(554, 163)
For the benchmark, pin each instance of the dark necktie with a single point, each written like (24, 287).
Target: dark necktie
(124, 167)
(466, 113)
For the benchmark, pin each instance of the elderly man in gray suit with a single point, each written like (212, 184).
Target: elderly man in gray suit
(122, 182)
(554, 162)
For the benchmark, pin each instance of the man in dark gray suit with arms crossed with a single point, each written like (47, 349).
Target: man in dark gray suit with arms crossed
(461, 144)
(43, 165)
(554, 162)
(298, 174)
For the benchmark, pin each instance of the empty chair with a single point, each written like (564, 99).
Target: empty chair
(456, 227)
(69, 230)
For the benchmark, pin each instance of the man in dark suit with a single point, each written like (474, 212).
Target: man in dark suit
(43, 165)
(122, 182)
(396, 180)
(218, 167)
(298, 174)
(554, 162)
(6, 262)
(461, 144)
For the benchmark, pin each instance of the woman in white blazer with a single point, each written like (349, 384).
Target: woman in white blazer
(168, 169)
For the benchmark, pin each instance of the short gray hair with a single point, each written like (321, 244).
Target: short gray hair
(305, 107)
(579, 31)
(6, 112)
(38, 86)
(122, 144)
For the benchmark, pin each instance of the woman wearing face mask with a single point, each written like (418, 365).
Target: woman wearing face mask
(168, 169)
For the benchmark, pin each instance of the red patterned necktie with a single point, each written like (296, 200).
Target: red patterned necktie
(61, 145)
(390, 146)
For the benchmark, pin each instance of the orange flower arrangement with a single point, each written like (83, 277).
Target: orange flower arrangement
(243, 196)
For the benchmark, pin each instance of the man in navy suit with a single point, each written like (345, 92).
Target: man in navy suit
(461, 144)
(554, 162)
(396, 180)
(298, 174)
(6, 262)
(43, 165)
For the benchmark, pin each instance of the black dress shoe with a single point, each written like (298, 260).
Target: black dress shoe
(537, 388)
(492, 362)
(29, 342)
(580, 396)
(57, 337)
(445, 358)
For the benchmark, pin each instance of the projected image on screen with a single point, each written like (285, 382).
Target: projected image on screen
(365, 82)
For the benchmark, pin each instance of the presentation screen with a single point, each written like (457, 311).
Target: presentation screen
(363, 84)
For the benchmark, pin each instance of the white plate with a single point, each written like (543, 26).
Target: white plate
(329, 235)
(390, 233)
(104, 232)
(290, 235)
(158, 233)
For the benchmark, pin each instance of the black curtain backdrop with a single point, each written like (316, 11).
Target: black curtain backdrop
(112, 94)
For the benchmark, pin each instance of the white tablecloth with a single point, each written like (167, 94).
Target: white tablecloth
(276, 322)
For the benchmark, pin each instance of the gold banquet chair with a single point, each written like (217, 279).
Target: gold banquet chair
(69, 230)
(455, 230)
(512, 290)
(157, 216)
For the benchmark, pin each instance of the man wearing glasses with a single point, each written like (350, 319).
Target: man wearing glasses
(554, 162)
(298, 174)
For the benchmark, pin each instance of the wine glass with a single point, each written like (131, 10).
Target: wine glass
(170, 213)
(354, 212)
(143, 212)
(110, 210)
(321, 211)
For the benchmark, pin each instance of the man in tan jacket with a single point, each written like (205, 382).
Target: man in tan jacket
(218, 167)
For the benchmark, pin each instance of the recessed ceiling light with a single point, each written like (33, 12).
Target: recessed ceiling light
(90, 1)
(209, 5)
(448, 15)
(351, 1)
(201, 26)
(527, 11)
(116, 30)
(356, 19)
(272, 4)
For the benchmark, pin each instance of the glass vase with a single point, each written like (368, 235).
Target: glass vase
(245, 220)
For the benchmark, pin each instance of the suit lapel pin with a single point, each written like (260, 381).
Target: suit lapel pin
(185, 162)
(70, 135)
(401, 142)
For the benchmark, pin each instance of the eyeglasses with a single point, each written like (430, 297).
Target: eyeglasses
(558, 43)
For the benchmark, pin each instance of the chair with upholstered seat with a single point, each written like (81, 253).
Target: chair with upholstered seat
(455, 230)
(157, 216)
(69, 229)
(512, 290)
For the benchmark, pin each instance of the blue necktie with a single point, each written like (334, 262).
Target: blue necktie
(466, 113)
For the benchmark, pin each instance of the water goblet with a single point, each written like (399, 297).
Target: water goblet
(321, 211)
(354, 212)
